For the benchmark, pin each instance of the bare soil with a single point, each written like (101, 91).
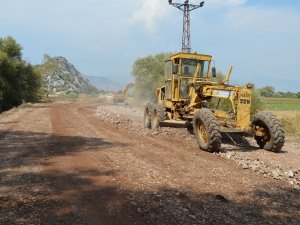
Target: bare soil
(83, 162)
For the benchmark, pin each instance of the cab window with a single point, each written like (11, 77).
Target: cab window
(189, 66)
(168, 78)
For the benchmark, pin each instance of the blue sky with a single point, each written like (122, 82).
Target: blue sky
(260, 38)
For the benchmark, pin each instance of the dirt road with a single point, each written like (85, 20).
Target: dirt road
(72, 163)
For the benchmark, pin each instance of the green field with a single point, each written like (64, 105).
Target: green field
(282, 104)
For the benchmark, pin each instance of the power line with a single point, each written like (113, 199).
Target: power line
(186, 33)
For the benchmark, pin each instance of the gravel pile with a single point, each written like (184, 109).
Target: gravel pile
(292, 176)
(122, 122)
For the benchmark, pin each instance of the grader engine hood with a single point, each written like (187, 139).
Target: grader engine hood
(243, 108)
(240, 99)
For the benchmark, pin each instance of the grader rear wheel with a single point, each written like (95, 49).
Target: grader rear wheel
(158, 115)
(147, 115)
(272, 138)
(207, 130)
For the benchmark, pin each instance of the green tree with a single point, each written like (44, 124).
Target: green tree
(257, 102)
(11, 48)
(268, 91)
(149, 75)
(290, 95)
(19, 81)
(220, 77)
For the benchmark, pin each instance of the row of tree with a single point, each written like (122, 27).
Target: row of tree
(269, 91)
(19, 80)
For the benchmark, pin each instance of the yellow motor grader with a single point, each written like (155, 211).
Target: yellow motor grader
(190, 87)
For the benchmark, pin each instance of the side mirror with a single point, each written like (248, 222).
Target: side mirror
(175, 68)
(213, 72)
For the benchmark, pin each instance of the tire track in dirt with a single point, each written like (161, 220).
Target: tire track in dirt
(25, 177)
(92, 174)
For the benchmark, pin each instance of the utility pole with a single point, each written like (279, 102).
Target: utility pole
(186, 34)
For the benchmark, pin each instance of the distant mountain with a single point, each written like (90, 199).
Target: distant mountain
(61, 77)
(105, 83)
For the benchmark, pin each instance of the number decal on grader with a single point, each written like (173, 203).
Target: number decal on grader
(245, 101)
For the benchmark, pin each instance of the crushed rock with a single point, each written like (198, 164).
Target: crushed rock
(289, 175)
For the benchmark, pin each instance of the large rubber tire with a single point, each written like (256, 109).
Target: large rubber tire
(207, 130)
(273, 139)
(158, 115)
(147, 115)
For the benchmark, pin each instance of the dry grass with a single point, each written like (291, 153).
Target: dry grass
(291, 122)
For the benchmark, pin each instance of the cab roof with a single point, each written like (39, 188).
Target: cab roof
(183, 55)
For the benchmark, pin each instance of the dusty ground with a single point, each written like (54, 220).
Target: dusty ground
(86, 163)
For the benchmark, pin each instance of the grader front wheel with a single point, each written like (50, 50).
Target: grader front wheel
(207, 130)
(271, 135)
(154, 118)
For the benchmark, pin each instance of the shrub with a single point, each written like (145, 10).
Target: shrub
(19, 81)
(257, 103)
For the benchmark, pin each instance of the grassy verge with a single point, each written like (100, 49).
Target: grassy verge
(287, 110)
(290, 121)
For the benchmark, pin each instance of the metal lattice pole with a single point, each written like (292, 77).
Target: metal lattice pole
(186, 34)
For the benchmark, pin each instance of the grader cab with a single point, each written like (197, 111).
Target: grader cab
(189, 90)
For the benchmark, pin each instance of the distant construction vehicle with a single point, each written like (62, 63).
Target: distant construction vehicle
(121, 97)
(186, 96)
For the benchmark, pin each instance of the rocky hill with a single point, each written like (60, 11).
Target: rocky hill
(61, 77)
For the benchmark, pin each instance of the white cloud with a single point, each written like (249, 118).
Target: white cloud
(150, 13)
(226, 2)
(271, 20)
